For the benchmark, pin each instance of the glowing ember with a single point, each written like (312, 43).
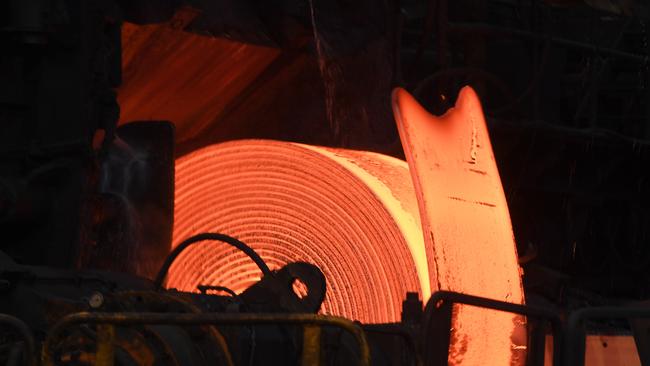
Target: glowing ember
(465, 221)
(353, 214)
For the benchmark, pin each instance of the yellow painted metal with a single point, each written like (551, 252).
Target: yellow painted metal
(311, 345)
(180, 319)
(164, 297)
(105, 345)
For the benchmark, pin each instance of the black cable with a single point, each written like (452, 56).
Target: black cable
(204, 289)
(162, 273)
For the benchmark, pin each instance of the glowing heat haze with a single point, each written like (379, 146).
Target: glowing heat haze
(466, 224)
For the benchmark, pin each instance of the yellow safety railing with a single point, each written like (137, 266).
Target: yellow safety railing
(105, 354)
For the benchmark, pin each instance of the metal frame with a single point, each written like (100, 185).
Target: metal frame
(439, 310)
(397, 331)
(569, 346)
(107, 321)
(25, 333)
(576, 334)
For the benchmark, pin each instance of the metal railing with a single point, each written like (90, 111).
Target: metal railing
(107, 321)
(568, 344)
(575, 341)
(29, 352)
(438, 314)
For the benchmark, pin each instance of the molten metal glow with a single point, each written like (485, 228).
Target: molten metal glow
(353, 214)
(465, 221)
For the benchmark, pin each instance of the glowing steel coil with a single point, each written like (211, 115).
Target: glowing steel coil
(353, 214)
(356, 215)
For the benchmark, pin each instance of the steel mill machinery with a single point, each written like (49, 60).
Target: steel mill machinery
(248, 182)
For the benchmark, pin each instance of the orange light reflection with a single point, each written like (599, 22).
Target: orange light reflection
(465, 222)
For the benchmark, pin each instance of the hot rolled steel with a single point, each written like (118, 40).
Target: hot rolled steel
(351, 213)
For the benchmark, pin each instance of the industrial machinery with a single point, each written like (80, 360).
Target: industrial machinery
(288, 215)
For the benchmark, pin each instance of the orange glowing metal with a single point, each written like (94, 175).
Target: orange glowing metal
(351, 213)
(465, 221)
(357, 216)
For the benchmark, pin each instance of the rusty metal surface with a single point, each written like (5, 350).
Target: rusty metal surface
(128, 319)
(465, 222)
